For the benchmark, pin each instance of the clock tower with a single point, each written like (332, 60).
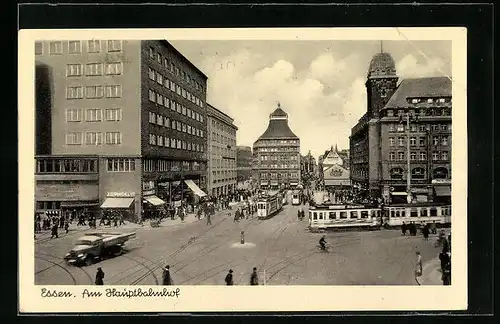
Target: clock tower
(381, 82)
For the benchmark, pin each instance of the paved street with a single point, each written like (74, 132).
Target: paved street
(282, 246)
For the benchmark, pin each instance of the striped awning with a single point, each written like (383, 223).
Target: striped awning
(117, 202)
(154, 200)
(197, 191)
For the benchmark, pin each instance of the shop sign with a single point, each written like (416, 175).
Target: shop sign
(441, 181)
(148, 192)
(120, 194)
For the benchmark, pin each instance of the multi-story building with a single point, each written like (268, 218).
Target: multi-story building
(221, 152)
(120, 124)
(244, 163)
(276, 154)
(335, 174)
(307, 168)
(378, 142)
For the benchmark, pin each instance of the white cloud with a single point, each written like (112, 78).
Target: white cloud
(324, 101)
(414, 67)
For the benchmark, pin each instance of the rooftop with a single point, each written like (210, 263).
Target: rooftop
(432, 87)
(382, 65)
(278, 126)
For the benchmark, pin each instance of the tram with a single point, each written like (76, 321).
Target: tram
(424, 213)
(295, 197)
(269, 204)
(344, 217)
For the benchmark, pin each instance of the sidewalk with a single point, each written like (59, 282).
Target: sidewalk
(431, 274)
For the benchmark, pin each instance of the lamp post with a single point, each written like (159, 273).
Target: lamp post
(409, 117)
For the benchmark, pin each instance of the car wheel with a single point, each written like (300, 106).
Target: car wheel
(89, 260)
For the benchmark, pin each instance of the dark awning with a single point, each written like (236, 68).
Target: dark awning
(442, 191)
(78, 203)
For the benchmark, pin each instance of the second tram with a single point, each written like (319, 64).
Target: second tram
(269, 205)
(296, 197)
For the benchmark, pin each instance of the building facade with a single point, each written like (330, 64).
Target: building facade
(127, 123)
(378, 142)
(335, 174)
(244, 163)
(221, 152)
(307, 169)
(276, 155)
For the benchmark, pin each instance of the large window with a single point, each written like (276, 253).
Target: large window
(114, 91)
(93, 138)
(73, 115)
(94, 46)
(55, 48)
(74, 70)
(74, 138)
(113, 138)
(113, 114)
(114, 45)
(93, 69)
(93, 115)
(74, 47)
(120, 165)
(440, 173)
(114, 68)
(396, 173)
(418, 173)
(74, 92)
(94, 92)
(38, 48)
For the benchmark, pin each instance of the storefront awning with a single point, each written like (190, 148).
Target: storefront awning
(263, 183)
(330, 182)
(197, 191)
(117, 203)
(399, 193)
(154, 200)
(442, 191)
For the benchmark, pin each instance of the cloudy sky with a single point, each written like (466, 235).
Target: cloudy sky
(320, 84)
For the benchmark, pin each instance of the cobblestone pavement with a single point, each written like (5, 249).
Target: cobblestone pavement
(282, 249)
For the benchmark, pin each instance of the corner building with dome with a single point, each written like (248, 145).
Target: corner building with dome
(276, 155)
(378, 142)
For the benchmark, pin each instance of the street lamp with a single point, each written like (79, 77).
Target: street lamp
(414, 118)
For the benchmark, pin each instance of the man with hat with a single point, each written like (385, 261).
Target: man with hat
(167, 279)
(229, 278)
(254, 279)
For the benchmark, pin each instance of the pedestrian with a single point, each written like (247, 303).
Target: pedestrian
(229, 278)
(254, 279)
(433, 227)
(167, 279)
(418, 266)
(122, 221)
(54, 231)
(99, 277)
(446, 276)
(425, 231)
(403, 229)
(236, 216)
(209, 219)
(66, 227)
(445, 259)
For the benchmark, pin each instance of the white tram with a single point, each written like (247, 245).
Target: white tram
(295, 197)
(343, 217)
(425, 213)
(270, 204)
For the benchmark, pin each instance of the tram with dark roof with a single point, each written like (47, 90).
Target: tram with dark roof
(269, 204)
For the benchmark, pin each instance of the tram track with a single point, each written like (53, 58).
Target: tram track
(60, 264)
(150, 271)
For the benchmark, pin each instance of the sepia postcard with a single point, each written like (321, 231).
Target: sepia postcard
(314, 163)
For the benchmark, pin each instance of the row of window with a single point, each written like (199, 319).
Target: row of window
(355, 214)
(419, 113)
(422, 156)
(223, 163)
(436, 140)
(67, 165)
(276, 142)
(219, 138)
(164, 141)
(175, 125)
(94, 69)
(224, 180)
(175, 88)
(280, 166)
(94, 138)
(429, 100)
(281, 175)
(75, 46)
(170, 66)
(173, 166)
(223, 127)
(419, 128)
(174, 106)
(94, 91)
(120, 165)
(94, 115)
(277, 149)
(279, 157)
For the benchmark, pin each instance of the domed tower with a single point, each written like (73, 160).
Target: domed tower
(381, 81)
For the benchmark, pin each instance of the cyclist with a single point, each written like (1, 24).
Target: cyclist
(322, 243)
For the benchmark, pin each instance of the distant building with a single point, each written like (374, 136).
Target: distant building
(276, 154)
(244, 163)
(378, 142)
(335, 174)
(221, 152)
(120, 125)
